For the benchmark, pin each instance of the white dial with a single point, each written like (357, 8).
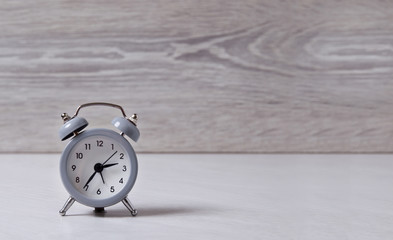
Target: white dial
(98, 167)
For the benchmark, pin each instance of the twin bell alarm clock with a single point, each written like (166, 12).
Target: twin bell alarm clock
(98, 167)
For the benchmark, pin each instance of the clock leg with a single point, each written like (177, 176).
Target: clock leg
(129, 206)
(99, 210)
(67, 206)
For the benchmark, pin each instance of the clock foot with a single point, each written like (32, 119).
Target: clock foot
(99, 210)
(129, 206)
(67, 206)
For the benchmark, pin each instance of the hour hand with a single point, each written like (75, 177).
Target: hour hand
(109, 165)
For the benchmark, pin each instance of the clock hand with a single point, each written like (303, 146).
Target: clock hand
(109, 158)
(106, 166)
(91, 178)
(109, 165)
(102, 177)
(98, 169)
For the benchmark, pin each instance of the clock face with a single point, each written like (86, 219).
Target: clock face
(99, 168)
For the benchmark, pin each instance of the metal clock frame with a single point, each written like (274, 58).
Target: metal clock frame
(75, 195)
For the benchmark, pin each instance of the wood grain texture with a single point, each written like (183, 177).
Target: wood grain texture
(204, 76)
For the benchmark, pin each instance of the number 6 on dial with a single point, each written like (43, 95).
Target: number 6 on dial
(98, 167)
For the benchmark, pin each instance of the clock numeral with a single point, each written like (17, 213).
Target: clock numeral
(113, 146)
(98, 192)
(121, 180)
(121, 155)
(87, 146)
(100, 143)
(124, 168)
(112, 188)
(73, 167)
(86, 187)
(77, 180)
(79, 155)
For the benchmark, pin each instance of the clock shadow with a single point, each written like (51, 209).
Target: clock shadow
(144, 212)
(165, 211)
(152, 212)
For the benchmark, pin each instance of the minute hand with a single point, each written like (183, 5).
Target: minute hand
(91, 178)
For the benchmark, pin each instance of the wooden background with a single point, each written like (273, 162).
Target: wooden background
(204, 76)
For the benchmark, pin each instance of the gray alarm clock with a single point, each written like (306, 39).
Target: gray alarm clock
(98, 167)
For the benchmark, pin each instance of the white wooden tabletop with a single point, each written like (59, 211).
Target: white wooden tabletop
(210, 197)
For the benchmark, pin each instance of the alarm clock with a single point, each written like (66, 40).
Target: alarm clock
(98, 167)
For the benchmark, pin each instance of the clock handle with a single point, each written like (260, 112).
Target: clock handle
(99, 104)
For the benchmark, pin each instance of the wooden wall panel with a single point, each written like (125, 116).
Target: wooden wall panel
(204, 76)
